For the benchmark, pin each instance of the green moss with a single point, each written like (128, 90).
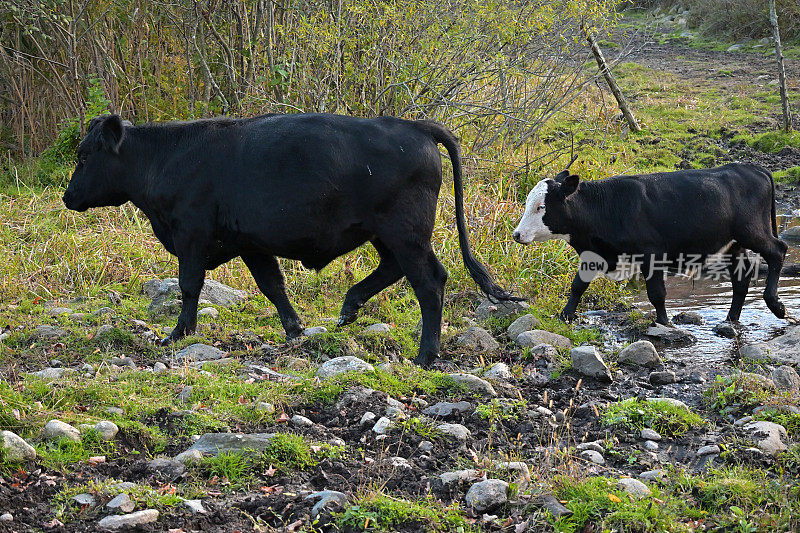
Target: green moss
(381, 512)
(664, 417)
(288, 452)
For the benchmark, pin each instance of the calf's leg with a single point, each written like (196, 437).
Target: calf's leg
(387, 273)
(740, 272)
(772, 250)
(657, 294)
(191, 276)
(579, 286)
(268, 276)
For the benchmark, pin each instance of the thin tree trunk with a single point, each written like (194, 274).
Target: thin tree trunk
(776, 35)
(612, 83)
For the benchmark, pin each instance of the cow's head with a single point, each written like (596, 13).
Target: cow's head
(546, 215)
(96, 181)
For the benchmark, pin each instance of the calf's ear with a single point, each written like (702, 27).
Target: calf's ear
(561, 175)
(112, 133)
(570, 184)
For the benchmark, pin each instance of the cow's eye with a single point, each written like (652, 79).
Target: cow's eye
(82, 158)
(540, 208)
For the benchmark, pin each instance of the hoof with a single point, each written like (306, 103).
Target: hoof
(778, 309)
(564, 317)
(346, 319)
(166, 341)
(424, 361)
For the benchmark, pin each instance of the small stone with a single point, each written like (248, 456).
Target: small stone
(336, 441)
(394, 407)
(343, 365)
(725, 329)
(56, 429)
(6, 517)
(711, 449)
(55, 311)
(383, 426)
(15, 448)
(159, 368)
(499, 371)
(595, 445)
(770, 437)
(457, 431)
(499, 309)
(315, 330)
(593, 456)
(474, 384)
(552, 505)
(368, 418)
(301, 421)
(128, 521)
(640, 353)
(185, 394)
(650, 446)
(456, 476)
(650, 434)
(545, 351)
(652, 475)
(330, 500)
(77, 317)
(265, 407)
(51, 373)
(167, 469)
(115, 411)
(426, 446)
(195, 506)
(104, 311)
(662, 378)
(735, 47)
(125, 361)
(478, 340)
(400, 462)
(742, 421)
(487, 495)
(587, 361)
(522, 324)
(540, 336)
(189, 457)
(514, 466)
(103, 330)
(83, 499)
(49, 332)
(199, 352)
(669, 335)
(688, 317)
(213, 313)
(634, 487)
(448, 409)
(379, 328)
(121, 502)
(56, 363)
(786, 378)
(106, 429)
(87, 368)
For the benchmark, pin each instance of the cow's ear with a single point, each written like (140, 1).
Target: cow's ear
(570, 184)
(112, 133)
(559, 178)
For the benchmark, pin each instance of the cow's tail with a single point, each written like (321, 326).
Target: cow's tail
(476, 269)
(773, 215)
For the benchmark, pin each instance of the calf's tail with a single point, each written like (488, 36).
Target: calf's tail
(476, 269)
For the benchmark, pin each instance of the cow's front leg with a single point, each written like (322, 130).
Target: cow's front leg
(268, 276)
(657, 294)
(579, 286)
(191, 276)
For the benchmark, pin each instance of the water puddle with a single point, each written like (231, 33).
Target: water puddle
(711, 299)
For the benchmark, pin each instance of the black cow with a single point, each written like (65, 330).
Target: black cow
(309, 187)
(660, 220)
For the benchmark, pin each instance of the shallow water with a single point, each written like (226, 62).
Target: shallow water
(712, 298)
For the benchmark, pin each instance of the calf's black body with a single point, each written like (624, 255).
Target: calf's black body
(309, 187)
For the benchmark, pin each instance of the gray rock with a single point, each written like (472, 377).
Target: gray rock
(650, 434)
(301, 421)
(735, 47)
(651, 446)
(6, 517)
(457, 476)
(368, 419)
(166, 469)
(213, 291)
(725, 329)
(742, 421)
(594, 445)
(189, 457)
(378, 328)
(56, 429)
(786, 378)
(394, 407)
(104, 311)
(448, 409)
(640, 353)
(587, 362)
(426, 446)
(551, 504)
(315, 330)
(514, 466)
(383, 426)
(457, 431)
(185, 394)
(211, 444)
(689, 317)
(106, 429)
(784, 349)
(500, 309)
(195, 506)
(121, 502)
(199, 352)
(159, 368)
(77, 317)
(536, 337)
(478, 340)
(15, 448)
(265, 407)
(669, 335)
(499, 372)
(83, 499)
(51, 373)
(770, 437)
(124, 361)
(400, 462)
(329, 500)
(662, 378)
(128, 522)
(343, 365)
(652, 475)
(593, 456)
(711, 449)
(634, 487)
(522, 324)
(103, 330)
(213, 313)
(487, 495)
(474, 384)
(55, 311)
(115, 410)
(49, 333)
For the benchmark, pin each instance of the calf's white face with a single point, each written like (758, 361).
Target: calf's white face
(532, 227)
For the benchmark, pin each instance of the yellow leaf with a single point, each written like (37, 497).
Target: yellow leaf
(614, 498)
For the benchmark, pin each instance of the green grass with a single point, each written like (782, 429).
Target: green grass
(64, 454)
(376, 511)
(288, 452)
(664, 417)
(734, 391)
(789, 176)
(143, 496)
(771, 142)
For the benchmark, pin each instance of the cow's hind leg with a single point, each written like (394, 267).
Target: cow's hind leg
(427, 277)
(268, 276)
(657, 294)
(740, 271)
(387, 273)
(772, 250)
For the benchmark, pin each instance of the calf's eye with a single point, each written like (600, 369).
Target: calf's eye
(540, 208)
